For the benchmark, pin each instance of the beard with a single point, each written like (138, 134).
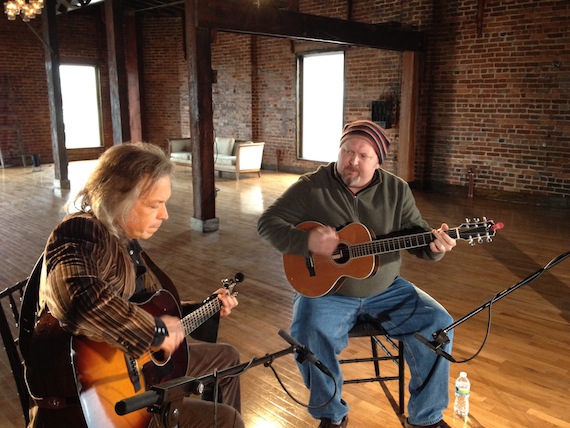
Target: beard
(349, 179)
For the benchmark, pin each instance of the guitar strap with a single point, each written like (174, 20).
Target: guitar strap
(30, 303)
(208, 331)
(50, 388)
(29, 309)
(44, 345)
(164, 279)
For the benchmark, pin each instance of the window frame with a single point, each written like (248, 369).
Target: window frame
(301, 97)
(98, 100)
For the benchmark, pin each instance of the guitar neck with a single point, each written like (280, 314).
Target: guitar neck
(198, 317)
(390, 245)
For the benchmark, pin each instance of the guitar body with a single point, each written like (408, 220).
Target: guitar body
(105, 375)
(316, 276)
(61, 367)
(357, 252)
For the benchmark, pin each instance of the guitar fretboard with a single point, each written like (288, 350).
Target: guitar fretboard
(389, 245)
(194, 320)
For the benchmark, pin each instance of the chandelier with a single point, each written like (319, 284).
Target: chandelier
(27, 9)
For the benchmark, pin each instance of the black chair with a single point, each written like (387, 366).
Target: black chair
(11, 300)
(391, 351)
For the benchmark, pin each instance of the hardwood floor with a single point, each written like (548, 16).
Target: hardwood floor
(521, 377)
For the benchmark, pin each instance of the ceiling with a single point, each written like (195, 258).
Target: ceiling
(147, 7)
(155, 7)
(160, 7)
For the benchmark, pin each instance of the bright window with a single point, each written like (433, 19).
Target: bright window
(81, 109)
(321, 105)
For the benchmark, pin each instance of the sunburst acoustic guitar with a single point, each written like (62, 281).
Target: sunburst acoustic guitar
(104, 375)
(356, 254)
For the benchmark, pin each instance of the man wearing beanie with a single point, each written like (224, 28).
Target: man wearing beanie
(355, 189)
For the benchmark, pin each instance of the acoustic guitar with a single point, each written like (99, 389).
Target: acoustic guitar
(356, 254)
(105, 375)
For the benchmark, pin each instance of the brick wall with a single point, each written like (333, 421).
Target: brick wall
(81, 39)
(22, 63)
(232, 94)
(164, 82)
(497, 102)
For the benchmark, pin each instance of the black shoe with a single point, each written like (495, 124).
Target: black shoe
(326, 423)
(440, 424)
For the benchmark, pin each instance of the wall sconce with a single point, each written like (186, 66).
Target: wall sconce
(383, 112)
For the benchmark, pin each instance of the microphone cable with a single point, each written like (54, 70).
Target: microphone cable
(490, 303)
(306, 405)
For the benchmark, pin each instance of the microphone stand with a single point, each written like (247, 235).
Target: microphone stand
(440, 337)
(166, 398)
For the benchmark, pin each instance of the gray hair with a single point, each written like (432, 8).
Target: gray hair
(123, 173)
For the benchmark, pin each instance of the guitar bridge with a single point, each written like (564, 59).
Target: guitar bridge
(133, 371)
(310, 265)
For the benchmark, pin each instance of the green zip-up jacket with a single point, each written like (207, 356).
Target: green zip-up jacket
(385, 207)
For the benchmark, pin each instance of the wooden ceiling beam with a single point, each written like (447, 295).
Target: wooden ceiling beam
(247, 18)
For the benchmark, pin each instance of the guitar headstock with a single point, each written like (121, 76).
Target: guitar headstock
(477, 231)
(230, 283)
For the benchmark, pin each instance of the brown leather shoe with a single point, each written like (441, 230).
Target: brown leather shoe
(440, 424)
(326, 423)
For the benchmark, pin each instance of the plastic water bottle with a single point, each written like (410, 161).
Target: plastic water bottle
(462, 390)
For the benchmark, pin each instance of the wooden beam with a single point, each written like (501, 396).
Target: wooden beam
(117, 71)
(52, 63)
(247, 18)
(201, 122)
(408, 119)
(133, 81)
(480, 14)
(204, 16)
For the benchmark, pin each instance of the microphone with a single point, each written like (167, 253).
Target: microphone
(304, 353)
(128, 405)
(426, 342)
(436, 345)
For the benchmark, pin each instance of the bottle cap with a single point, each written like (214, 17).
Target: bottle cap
(462, 374)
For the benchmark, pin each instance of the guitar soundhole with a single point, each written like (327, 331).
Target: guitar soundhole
(341, 255)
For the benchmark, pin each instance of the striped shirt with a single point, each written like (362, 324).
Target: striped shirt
(90, 279)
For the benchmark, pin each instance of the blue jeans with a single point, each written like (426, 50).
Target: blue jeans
(322, 324)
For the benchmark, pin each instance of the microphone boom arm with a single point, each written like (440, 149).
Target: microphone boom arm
(183, 386)
(440, 337)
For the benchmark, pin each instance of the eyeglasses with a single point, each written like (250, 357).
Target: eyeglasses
(361, 157)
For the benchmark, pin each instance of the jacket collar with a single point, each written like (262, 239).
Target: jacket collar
(376, 179)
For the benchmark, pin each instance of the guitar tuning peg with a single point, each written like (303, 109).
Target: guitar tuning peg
(489, 238)
(471, 241)
(479, 240)
(467, 220)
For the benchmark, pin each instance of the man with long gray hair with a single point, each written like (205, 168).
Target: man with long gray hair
(101, 293)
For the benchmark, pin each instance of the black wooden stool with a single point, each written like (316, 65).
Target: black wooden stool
(392, 351)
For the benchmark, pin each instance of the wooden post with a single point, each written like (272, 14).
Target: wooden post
(198, 45)
(117, 71)
(480, 13)
(133, 81)
(408, 119)
(52, 62)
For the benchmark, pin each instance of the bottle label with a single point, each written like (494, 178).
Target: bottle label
(462, 392)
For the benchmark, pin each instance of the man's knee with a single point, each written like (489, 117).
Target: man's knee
(230, 353)
(229, 417)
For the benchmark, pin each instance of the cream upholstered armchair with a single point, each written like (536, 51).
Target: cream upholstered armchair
(230, 155)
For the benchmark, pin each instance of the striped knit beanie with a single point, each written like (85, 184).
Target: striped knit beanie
(370, 131)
